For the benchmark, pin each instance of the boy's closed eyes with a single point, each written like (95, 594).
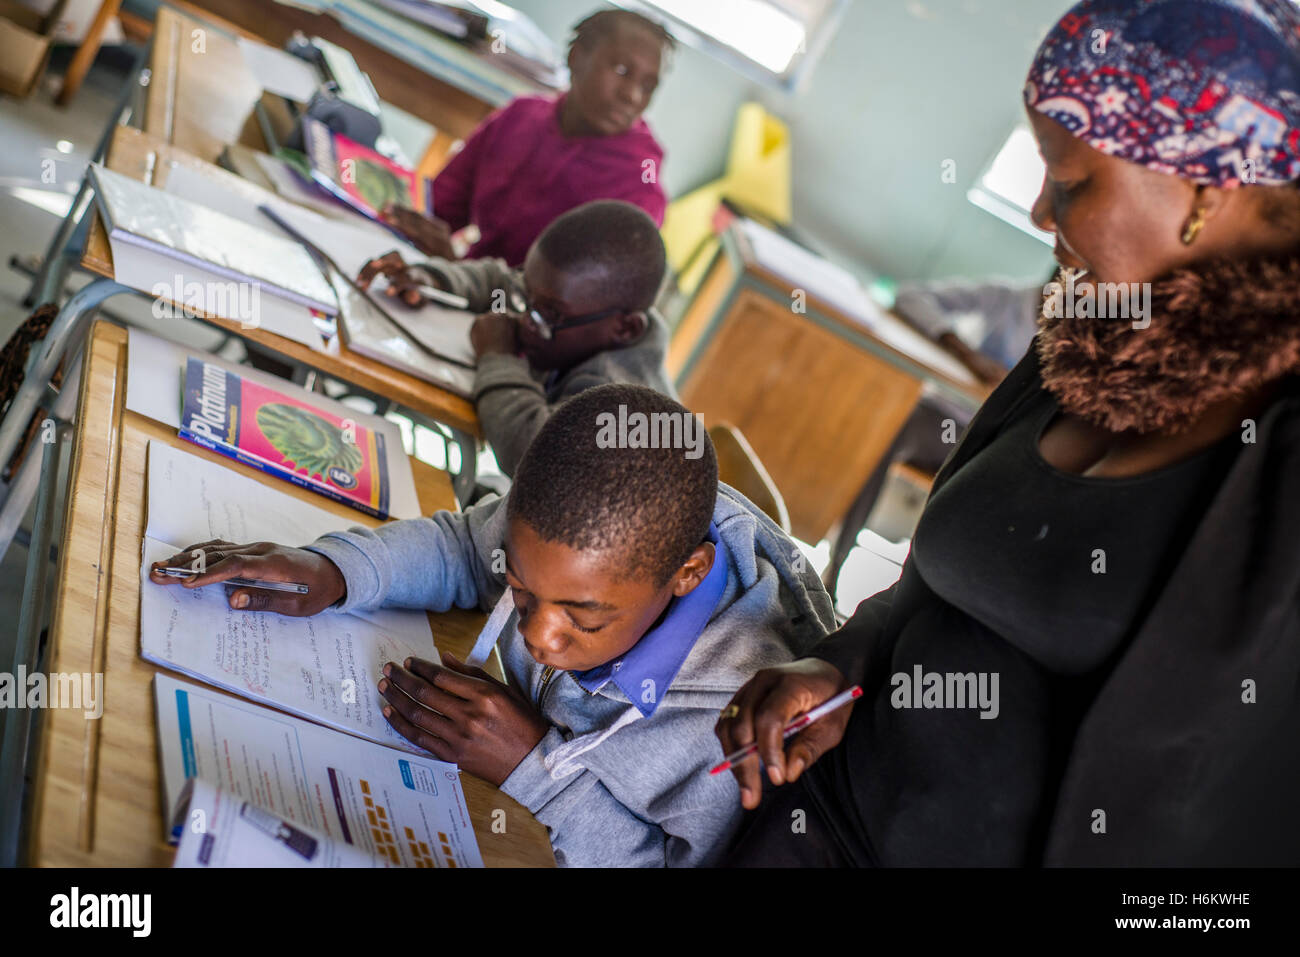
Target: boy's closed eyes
(581, 608)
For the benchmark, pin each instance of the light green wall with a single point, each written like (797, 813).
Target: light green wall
(902, 86)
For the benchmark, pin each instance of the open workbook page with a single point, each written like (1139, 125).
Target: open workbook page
(324, 667)
(316, 798)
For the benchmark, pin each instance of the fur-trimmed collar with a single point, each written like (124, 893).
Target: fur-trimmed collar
(1217, 330)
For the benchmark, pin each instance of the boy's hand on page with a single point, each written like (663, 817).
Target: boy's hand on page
(429, 234)
(767, 703)
(215, 561)
(461, 714)
(403, 281)
(494, 333)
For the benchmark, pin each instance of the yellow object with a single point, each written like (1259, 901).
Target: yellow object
(757, 178)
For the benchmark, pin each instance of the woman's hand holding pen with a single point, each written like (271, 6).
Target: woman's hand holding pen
(428, 234)
(768, 702)
(216, 561)
(461, 714)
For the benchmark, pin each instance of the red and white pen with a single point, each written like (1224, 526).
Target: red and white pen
(794, 727)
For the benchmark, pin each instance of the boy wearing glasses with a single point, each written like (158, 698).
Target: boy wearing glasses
(578, 314)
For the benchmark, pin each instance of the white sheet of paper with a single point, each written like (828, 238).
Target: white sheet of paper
(325, 667)
(313, 777)
(153, 388)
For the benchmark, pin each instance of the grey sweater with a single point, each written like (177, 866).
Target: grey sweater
(614, 788)
(512, 399)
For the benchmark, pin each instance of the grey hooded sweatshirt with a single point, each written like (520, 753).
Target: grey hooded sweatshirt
(512, 399)
(613, 787)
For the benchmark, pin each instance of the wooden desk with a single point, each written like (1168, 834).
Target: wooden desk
(128, 154)
(97, 799)
(819, 397)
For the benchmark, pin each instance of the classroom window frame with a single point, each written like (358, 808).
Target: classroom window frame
(797, 73)
(1018, 147)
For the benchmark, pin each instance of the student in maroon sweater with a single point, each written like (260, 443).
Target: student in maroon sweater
(539, 157)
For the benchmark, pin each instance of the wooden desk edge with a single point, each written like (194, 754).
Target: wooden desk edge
(68, 737)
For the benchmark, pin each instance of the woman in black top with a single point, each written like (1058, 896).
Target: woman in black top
(1092, 655)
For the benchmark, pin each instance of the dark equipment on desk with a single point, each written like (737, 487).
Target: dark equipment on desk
(345, 101)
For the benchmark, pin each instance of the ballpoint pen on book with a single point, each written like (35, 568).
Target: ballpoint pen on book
(296, 588)
(446, 298)
(793, 728)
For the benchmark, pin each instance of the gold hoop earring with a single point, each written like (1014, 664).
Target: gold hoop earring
(1195, 223)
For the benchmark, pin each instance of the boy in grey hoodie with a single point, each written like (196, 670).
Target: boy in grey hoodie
(644, 594)
(578, 314)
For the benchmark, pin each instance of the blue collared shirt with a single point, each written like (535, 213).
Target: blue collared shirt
(645, 672)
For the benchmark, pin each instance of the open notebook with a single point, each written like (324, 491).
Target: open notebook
(324, 668)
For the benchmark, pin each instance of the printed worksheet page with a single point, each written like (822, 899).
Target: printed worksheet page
(306, 783)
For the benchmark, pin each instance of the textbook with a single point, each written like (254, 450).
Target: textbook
(357, 175)
(283, 435)
(250, 787)
(431, 344)
(324, 668)
(206, 261)
(155, 378)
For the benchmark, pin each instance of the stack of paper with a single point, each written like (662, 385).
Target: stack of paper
(210, 262)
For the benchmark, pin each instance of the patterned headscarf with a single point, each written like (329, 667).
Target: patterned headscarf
(1208, 90)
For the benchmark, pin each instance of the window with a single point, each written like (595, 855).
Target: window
(773, 41)
(1010, 184)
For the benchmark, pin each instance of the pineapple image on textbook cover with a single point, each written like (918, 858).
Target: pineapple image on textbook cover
(285, 436)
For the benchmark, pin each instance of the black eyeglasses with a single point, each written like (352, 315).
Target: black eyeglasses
(546, 329)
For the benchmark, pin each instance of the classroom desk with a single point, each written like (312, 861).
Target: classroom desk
(817, 394)
(129, 154)
(96, 797)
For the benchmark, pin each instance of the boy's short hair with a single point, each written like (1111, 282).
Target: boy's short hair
(652, 506)
(616, 239)
(603, 23)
